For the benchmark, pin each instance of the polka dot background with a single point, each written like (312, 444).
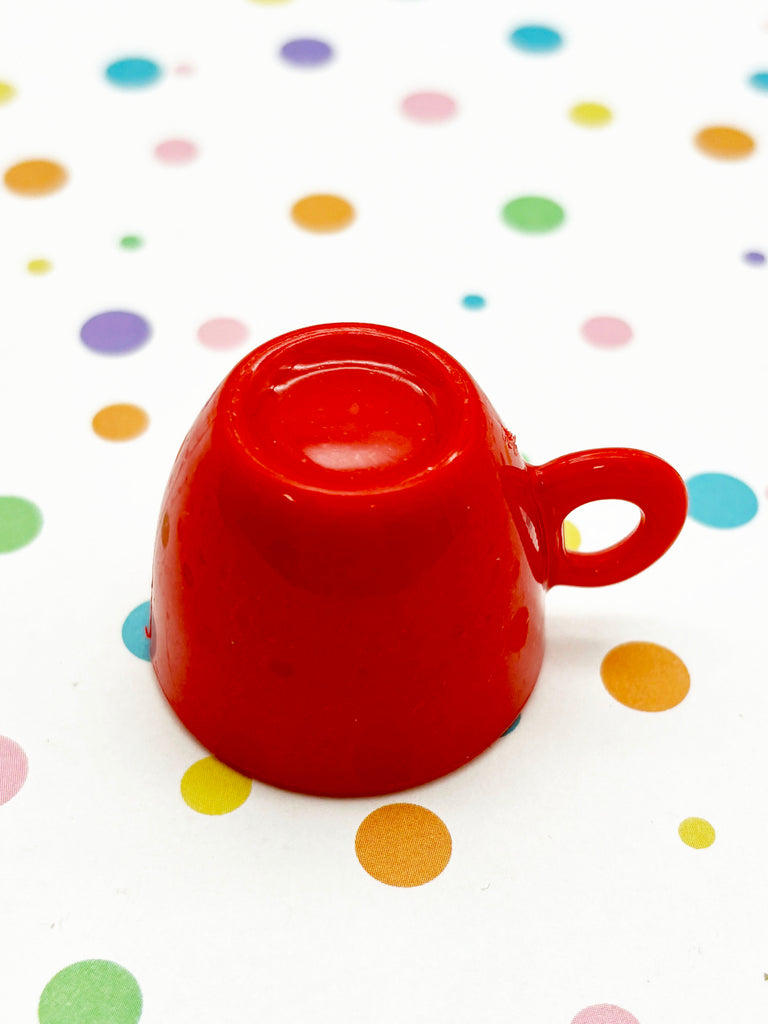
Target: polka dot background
(518, 189)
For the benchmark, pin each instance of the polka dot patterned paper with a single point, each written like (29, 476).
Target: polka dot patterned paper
(570, 201)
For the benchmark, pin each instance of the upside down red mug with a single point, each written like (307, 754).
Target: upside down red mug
(351, 560)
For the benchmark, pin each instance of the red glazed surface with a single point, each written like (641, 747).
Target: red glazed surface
(352, 556)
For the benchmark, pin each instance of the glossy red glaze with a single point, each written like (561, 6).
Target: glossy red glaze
(352, 556)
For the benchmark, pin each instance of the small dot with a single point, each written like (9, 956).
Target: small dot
(403, 845)
(7, 92)
(604, 1013)
(115, 332)
(536, 39)
(513, 726)
(720, 500)
(645, 676)
(222, 333)
(134, 631)
(184, 69)
(323, 213)
(91, 992)
(268, 2)
(473, 302)
(131, 242)
(121, 422)
(754, 258)
(759, 81)
(606, 332)
(724, 143)
(306, 53)
(210, 787)
(20, 522)
(571, 536)
(39, 267)
(13, 769)
(590, 115)
(35, 177)
(696, 832)
(133, 72)
(533, 214)
(176, 151)
(428, 107)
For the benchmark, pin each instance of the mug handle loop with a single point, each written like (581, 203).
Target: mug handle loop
(625, 473)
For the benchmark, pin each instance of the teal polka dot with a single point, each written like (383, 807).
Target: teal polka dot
(536, 39)
(720, 500)
(473, 302)
(133, 72)
(759, 81)
(134, 631)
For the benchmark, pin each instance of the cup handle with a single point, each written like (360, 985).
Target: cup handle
(626, 473)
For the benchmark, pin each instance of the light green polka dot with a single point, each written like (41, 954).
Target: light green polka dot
(91, 992)
(533, 214)
(20, 522)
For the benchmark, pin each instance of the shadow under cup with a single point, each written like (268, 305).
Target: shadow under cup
(349, 569)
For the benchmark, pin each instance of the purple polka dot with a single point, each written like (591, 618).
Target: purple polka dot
(115, 332)
(306, 53)
(756, 259)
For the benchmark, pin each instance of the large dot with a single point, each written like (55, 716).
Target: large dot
(754, 258)
(91, 992)
(604, 1013)
(606, 331)
(428, 106)
(696, 832)
(759, 81)
(323, 213)
(115, 332)
(133, 72)
(120, 422)
(35, 177)
(536, 39)
(134, 631)
(591, 115)
(222, 332)
(533, 214)
(720, 500)
(403, 845)
(13, 768)
(724, 142)
(7, 92)
(210, 787)
(645, 676)
(20, 522)
(176, 151)
(306, 53)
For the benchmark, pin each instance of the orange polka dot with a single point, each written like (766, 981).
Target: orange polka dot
(645, 676)
(121, 422)
(323, 213)
(403, 845)
(724, 142)
(35, 177)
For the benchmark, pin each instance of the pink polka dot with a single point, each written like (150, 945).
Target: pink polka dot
(176, 151)
(13, 768)
(428, 106)
(604, 1013)
(222, 332)
(184, 69)
(607, 331)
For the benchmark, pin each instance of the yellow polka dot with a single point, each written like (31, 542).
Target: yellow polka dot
(696, 832)
(323, 213)
(403, 845)
(210, 787)
(645, 676)
(571, 536)
(39, 266)
(35, 177)
(724, 142)
(121, 422)
(7, 92)
(269, 2)
(591, 115)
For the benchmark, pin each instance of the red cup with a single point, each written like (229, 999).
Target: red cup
(352, 556)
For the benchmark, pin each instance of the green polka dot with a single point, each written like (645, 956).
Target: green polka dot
(131, 242)
(20, 522)
(91, 992)
(533, 214)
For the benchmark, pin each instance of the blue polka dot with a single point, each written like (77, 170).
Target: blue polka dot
(133, 72)
(134, 631)
(536, 39)
(717, 499)
(759, 81)
(473, 302)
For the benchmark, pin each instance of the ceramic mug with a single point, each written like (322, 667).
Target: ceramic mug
(351, 560)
